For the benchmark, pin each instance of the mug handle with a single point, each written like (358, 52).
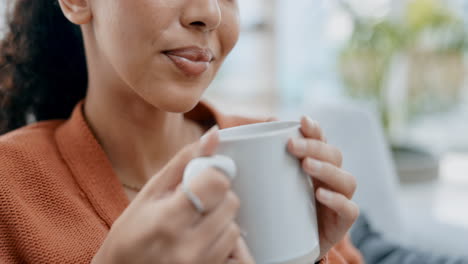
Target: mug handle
(196, 166)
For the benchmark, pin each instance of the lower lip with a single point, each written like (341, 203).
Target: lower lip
(188, 67)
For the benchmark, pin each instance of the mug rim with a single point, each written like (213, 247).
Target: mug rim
(287, 126)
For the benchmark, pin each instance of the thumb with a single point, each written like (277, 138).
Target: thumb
(171, 175)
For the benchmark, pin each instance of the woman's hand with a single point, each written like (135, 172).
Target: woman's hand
(162, 226)
(334, 187)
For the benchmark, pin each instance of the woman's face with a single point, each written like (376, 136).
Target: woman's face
(166, 51)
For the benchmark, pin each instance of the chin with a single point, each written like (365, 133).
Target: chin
(173, 97)
(179, 107)
(176, 104)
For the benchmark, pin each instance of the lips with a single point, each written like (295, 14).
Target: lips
(192, 61)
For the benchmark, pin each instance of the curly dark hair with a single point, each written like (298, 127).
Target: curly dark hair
(43, 70)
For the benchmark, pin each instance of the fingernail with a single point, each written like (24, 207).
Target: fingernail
(325, 195)
(313, 166)
(205, 138)
(310, 121)
(299, 146)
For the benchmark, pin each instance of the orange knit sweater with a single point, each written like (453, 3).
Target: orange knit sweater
(59, 195)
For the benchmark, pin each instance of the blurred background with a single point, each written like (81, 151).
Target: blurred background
(403, 57)
(387, 81)
(399, 63)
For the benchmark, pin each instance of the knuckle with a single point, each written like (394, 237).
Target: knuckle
(353, 211)
(233, 200)
(337, 155)
(234, 231)
(166, 229)
(165, 232)
(213, 180)
(179, 202)
(352, 183)
(313, 145)
(322, 149)
(313, 125)
(218, 180)
(314, 148)
(329, 170)
(341, 204)
(322, 136)
(190, 150)
(319, 130)
(171, 206)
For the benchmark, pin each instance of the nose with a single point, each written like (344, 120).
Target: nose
(202, 15)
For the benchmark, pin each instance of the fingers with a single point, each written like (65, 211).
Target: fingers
(242, 254)
(209, 142)
(218, 230)
(311, 129)
(338, 179)
(210, 187)
(306, 147)
(213, 225)
(345, 208)
(171, 175)
(314, 144)
(225, 245)
(212, 236)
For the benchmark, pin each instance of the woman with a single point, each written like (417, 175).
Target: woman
(117, 93)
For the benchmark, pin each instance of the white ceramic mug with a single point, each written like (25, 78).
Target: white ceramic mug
(277, 210)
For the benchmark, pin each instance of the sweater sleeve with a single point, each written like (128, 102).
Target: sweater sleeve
(376, 249)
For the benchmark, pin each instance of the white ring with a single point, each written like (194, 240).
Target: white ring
(197, 203)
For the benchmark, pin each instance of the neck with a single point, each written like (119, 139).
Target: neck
(138, 138)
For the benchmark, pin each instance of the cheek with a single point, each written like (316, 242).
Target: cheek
(126, 32)
(229, 31)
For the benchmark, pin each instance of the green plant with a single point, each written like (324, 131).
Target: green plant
(426, 18)
(429, 34)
